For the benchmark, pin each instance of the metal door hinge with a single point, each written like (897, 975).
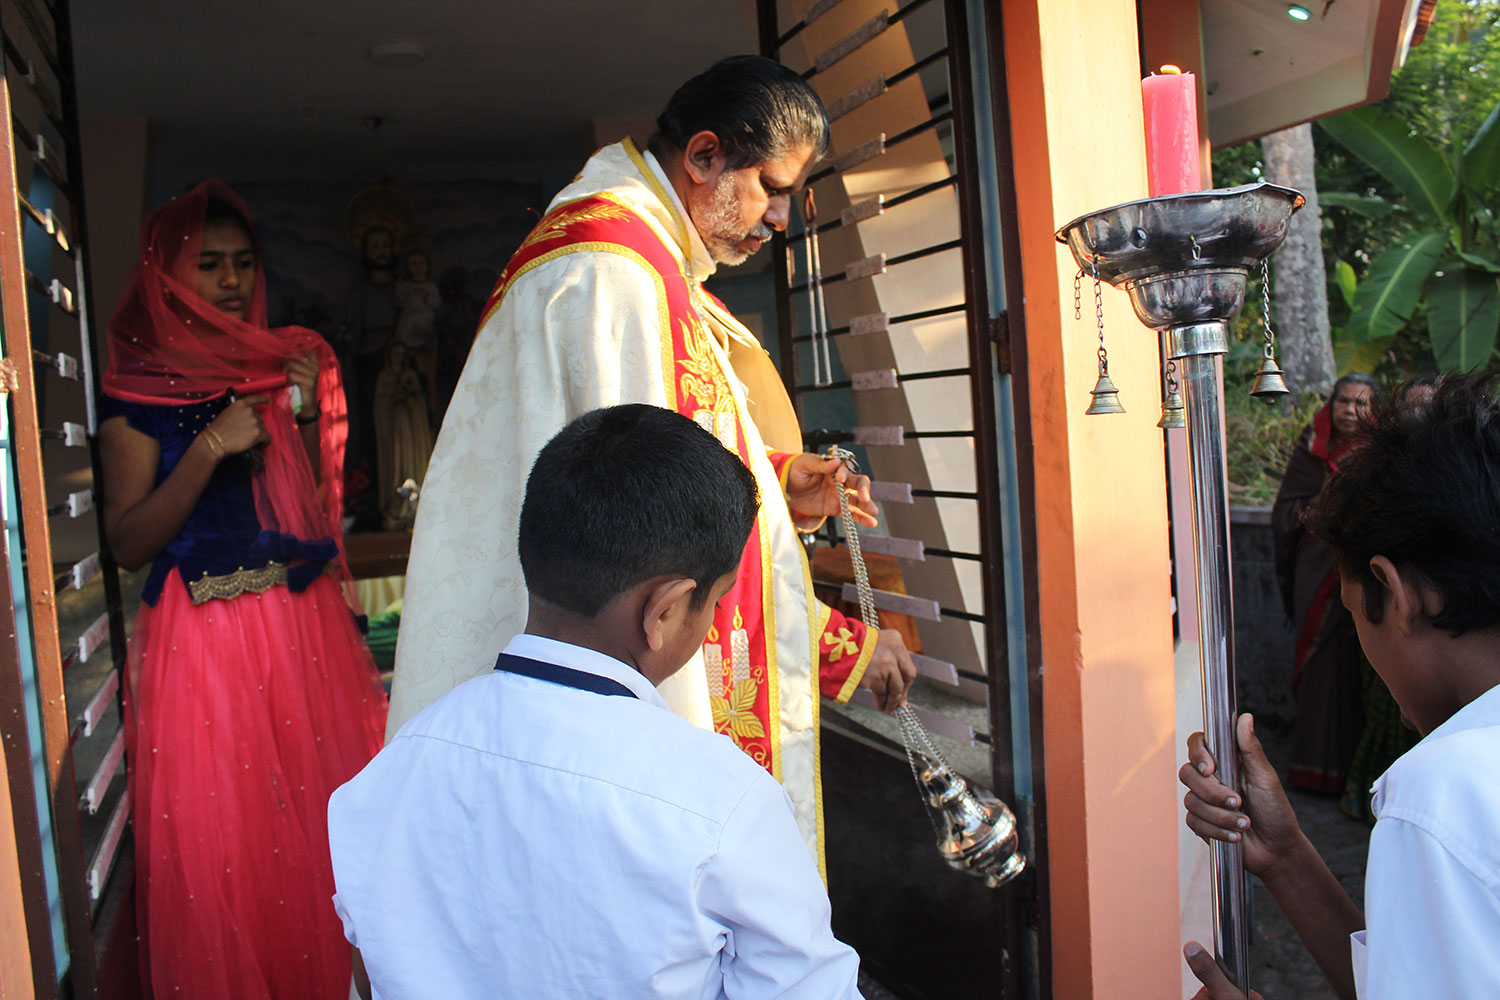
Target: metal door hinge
(999, 333)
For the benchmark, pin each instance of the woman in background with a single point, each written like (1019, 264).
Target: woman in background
(1326, 679)
(249, 693)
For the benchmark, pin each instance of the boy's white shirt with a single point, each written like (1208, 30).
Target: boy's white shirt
(1432, 882)
(520, 838)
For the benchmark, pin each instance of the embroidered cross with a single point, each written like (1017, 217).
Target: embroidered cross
(842, 643)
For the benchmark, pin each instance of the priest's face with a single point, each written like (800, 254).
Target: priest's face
(743, 206)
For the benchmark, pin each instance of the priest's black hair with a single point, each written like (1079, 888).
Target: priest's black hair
(1423, 489)
(759, 109)
(626, 494)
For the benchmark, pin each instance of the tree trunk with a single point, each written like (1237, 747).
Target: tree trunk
(1299, 285)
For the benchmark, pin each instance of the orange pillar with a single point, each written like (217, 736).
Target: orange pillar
(1102, 555)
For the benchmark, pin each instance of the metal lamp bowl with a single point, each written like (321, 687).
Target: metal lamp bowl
(1179, 298)
(1227, 228)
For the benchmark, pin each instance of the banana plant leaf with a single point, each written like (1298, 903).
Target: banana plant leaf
(1384, 301)
(1479, 262)
(1463, 315)
(1351, 357)
(1343, 274)
(1369, 206)
(1481, 158)
(1410, 162)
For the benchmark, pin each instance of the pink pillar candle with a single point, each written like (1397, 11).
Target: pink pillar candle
(1171, 111)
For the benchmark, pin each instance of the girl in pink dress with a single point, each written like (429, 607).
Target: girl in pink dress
(250, 695)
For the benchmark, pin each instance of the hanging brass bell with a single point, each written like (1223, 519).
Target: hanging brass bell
(976, 831)
(1173, 412)
(1268, 382)
(1106, 397)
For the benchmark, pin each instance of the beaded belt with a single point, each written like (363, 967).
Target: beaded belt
(242, 581)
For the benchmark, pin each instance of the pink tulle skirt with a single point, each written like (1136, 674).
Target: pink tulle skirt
(242, 716)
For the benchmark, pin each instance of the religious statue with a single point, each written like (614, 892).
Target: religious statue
(402, 434)
(416, 327)
(378, 220)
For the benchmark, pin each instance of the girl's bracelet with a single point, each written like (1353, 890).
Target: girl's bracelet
(215, 443)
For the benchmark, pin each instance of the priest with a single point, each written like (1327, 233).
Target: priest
(604, 304)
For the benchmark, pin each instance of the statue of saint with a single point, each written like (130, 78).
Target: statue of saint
(378, 221)
(402, 434)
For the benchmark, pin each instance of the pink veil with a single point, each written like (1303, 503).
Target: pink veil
(168, 346)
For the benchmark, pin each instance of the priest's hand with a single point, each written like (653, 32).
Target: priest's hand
(890, 671)
(812, 485)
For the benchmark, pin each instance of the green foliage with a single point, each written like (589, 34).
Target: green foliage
(1418, 172)
(1371, 207)
(1426, 267)
(1449, 83)
(1411, 163)
(1482, 156)
(1345, 281)
(1463, 315)
(1259, 440)
(1386, 299)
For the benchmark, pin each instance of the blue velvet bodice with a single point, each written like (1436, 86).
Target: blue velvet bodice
(223, 535)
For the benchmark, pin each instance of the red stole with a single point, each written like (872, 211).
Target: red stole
(739, 652)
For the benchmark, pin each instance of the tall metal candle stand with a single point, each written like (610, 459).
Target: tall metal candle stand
(1184, 260)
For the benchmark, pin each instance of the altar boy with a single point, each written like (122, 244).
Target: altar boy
(1413, 517)
(552, 829)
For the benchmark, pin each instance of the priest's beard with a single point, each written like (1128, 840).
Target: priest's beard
(722, 222)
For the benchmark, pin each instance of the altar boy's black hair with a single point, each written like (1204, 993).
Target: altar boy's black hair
(626, 494)
(759, 109)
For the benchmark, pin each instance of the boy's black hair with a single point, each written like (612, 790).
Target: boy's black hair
(759, 109)
(628, 493)
(1423, 490)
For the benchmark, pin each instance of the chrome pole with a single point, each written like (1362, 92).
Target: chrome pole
(1196, 347)
(1184, 259)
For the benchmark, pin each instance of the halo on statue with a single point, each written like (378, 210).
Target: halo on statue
(380, 207)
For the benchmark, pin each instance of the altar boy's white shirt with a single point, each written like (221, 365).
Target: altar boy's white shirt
(1432, 883)
(521, 838)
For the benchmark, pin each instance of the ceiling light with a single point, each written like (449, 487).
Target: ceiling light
(1297, 12)
(398, 54)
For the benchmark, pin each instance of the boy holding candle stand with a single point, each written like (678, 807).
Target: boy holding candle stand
(551, 828)
(1413, 517)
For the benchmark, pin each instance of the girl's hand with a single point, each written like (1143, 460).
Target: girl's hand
(303, 373)
(238, 429)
